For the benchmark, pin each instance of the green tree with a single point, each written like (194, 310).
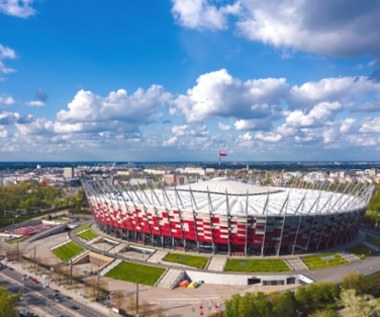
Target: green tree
(283, 304)
(324, 313)
(357, 282)
(359, 305)
(8, 302)
(317, 296)
(249, 305)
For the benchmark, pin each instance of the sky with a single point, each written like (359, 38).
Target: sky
(180, 80)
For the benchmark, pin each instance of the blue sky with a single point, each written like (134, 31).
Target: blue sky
(179, 80)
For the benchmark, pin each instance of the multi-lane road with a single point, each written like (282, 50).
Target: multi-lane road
(44, 302)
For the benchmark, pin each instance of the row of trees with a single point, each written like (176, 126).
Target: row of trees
(325, 299)
(28, 196)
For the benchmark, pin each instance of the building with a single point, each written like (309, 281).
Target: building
(68, 172)
(225, 216)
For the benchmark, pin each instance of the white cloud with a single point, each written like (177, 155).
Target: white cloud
(317, 115)
(17, 8)
(371, 125)
(203, 14)
(347, 124)
(36, 103)
(224, 127)
(351, 89)
(6, 101)
(219, 94)
(171, 141)
(267, 137)
(117, 110)
(333, 28)
(6, 52)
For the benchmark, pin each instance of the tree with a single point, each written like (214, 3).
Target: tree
(324, 313)
(317, 296)
(249, 305)
(359, 305)
(8, 302)
(283, 304)
(357, 282)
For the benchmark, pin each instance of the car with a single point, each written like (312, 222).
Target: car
(74, 307)
(25, 278)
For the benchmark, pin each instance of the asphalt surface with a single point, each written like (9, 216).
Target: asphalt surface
(43, 300)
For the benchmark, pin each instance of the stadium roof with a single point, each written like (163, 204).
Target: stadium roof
(221, 185)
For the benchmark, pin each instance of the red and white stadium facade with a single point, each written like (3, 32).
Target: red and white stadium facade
(226, 216)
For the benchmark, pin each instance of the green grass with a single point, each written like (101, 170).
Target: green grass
(259, 265)
(361, 251)
(373, 240)
(87, 235)
(321, 261)
(136, 273)
(67, 251)
(199, 262)
(15, 240)
(81, 228)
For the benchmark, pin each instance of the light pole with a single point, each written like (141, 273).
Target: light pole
(137, 299)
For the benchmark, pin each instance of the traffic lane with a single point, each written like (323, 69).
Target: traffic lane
(69, 303)
(31, 301)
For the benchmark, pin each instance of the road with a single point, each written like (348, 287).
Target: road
(41, 300)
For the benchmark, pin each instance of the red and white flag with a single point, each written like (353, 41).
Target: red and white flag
(222, 154)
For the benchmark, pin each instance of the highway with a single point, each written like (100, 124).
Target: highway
(43, 301)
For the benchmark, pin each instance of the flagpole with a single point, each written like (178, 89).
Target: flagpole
(219, 164)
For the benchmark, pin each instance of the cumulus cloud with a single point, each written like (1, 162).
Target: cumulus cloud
(203, 14)
(6, 52)
(348, 89)
(97, 112)
(333, 28)
(371, 125)
(6, 101)
(219, 94)
(318, 115)
(17, 8)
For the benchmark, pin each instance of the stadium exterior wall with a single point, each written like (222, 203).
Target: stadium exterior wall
(222, 233)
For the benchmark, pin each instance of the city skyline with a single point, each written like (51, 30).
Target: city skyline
(182, 80)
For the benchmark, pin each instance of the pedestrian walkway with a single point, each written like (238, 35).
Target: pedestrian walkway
(349, 257)
(119, 248)
(171, 278)
(217, 263)
(157, 256)
(296, 264)
(110, 267)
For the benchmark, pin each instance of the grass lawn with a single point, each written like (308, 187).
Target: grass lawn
(321, 261)
(199, 262)
(67, 251)
(361, 251)
(259, 265)
(373, 240)
(136, 273)
(87, 235)
(15, 240)
(82, 228)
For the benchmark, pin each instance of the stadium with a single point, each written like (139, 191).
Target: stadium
(230, 217)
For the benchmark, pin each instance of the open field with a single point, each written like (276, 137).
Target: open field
(67, 251)
(87, 235)
(82, 228)
(199, 262)
(321, 261)
(361, 251)
(136, 273)
(270, 265)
